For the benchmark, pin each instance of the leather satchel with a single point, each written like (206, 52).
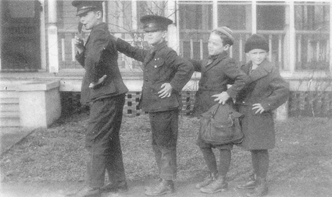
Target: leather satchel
(221, 125)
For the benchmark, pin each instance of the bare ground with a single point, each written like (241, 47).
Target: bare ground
(51, 162)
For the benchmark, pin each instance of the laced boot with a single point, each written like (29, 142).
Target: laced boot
(115, 186)
(218, 185)
(250, 184)
(209, 179)
(261, 189)
(86, 192)
(164, 187)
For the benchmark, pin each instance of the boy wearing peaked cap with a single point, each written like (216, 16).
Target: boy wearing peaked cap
(86, 6)
(164, 76)
(217, 71)
(103, 89)
(265, 93)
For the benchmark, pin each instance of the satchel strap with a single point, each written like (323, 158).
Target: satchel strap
(232, 112)
(215, 110)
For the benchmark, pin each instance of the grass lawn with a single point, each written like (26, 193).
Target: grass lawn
(301, 161)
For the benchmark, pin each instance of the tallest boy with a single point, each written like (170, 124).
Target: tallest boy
(104, 90)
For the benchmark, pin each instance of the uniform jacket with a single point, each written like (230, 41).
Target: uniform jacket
(161, 65)
(269, 89)
(214, 79)
(100, 58)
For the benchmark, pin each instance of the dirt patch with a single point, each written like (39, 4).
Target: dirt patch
(54, 159)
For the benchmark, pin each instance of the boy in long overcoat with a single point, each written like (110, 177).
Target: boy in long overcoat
(217, 71)
(266, 92)
(103, 89)
(164, 76)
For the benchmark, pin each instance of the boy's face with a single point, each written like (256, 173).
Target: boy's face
(154, 37)
(215, 45)
(90, 19)
(257, 56)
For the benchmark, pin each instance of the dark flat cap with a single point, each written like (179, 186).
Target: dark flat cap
(155, 23)
(84, 6)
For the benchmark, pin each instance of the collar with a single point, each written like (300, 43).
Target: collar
(215, 59)
(262, 70)
(101, 25)
(159, 46)
(222, 55)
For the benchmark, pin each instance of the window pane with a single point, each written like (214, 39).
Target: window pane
(195, 16)
(312, 36)
(270, 17)
(233, 16)
(309, 16)
(195, 26)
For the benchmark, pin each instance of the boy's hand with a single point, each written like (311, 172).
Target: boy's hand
(258, 107)
(221, 98)
(166, 90)
(100, 80)
(79, 44)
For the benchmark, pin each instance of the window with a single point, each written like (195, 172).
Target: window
(312, 35)
(234, 15)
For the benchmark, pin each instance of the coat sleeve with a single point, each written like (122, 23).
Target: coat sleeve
(238, 77)
(184, 70)
(80, 58)
(280, 92)
(197, 64)
(100, 40)
(130, 51)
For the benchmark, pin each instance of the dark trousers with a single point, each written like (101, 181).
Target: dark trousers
(164, 126)
(103, 142)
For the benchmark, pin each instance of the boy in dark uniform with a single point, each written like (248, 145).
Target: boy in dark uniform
(164, 75)
(104, 90)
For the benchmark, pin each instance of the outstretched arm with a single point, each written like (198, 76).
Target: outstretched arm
(130, 51)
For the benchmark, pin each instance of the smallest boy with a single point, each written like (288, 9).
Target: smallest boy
(266, 92)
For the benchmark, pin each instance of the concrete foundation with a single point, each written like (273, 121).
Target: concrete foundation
(39, 103)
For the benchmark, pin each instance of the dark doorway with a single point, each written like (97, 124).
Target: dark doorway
(20, 49)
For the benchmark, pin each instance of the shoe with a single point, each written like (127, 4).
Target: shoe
(164, 187)
(86, 192)
(218, 185)
(209, 179)
(250, 184)
(261, 189)
(115, 186)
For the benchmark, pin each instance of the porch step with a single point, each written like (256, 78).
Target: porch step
(10, 114)
(9, 105)
(8, 94)
(9, 122)
(9, 108)
(9, 100)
